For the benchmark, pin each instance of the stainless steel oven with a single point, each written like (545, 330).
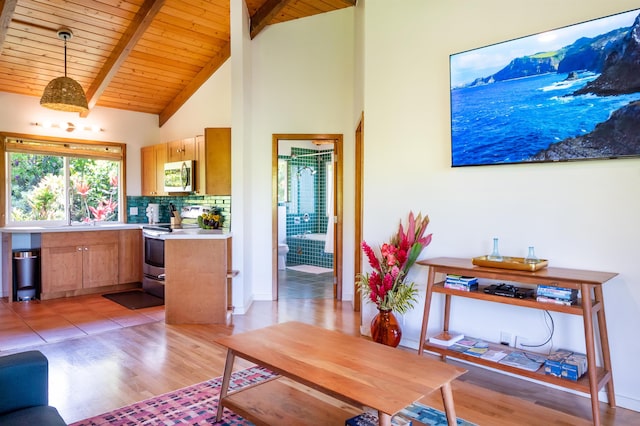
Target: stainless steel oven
(153, 267)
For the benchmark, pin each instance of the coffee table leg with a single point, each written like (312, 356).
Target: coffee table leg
(384, 419)
(447, 398)
(228, 368)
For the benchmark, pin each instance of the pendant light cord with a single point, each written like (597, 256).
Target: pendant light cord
(65, 56)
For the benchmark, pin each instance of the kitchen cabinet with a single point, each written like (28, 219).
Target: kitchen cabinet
(153, 158)
(213, 162)
(181, 150)
(202, 296)
(78, 261)
(130, 256)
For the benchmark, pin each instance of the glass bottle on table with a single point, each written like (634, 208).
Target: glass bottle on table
(531, 256)
(495, 254)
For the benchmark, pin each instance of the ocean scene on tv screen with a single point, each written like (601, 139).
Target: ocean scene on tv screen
(569, 94)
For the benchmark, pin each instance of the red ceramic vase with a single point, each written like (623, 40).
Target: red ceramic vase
(385, 328)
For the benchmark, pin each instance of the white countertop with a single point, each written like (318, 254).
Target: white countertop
(69, 228)
(187, 233)
(196, 234)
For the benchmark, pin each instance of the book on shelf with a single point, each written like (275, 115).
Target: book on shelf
(446, 338)
(545, 299)
(460, 279)
(461, 287)
(476, 351)
(557, 292)
(468, 342)
(525, 360)
(493, 355)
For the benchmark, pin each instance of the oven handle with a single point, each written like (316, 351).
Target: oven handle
(159, 277)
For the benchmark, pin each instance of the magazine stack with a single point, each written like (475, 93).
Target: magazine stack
(558, 295)
(460, 282)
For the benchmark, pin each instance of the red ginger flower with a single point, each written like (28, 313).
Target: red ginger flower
(385, 286)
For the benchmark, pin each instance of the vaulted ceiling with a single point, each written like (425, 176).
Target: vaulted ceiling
(137, 55)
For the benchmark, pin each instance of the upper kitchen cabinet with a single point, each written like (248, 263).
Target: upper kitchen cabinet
(181, 150)
(153, 158)
(213, 162)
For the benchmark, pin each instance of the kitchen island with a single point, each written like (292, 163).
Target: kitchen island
(198, 277)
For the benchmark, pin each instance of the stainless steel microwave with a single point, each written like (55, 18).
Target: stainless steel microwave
(178, 176)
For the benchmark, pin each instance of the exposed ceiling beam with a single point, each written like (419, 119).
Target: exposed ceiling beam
(7, 7)
(263, 15)
(127, 42)
(209, 69)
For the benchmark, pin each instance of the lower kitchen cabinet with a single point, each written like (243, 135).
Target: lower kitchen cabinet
(75, 262)
(130, 256)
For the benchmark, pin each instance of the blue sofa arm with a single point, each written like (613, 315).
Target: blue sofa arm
(24, 381)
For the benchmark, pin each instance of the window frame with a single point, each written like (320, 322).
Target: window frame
(65, 147)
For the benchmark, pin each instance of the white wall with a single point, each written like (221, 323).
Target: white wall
(303, 73)
(210, 106)
(577, 215)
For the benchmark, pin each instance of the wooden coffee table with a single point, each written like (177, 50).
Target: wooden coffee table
(351, 369)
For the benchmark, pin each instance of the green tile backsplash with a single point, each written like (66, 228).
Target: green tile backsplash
(141, 202)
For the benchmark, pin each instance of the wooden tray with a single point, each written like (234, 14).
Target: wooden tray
(507, 262)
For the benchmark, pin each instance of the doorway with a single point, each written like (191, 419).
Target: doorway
(307, 216)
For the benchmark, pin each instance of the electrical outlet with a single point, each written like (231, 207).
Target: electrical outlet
(133, 211)
(508, 339)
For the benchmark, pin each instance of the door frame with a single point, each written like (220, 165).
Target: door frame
(359, 209)
(337, 140)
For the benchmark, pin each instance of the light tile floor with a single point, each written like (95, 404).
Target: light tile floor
(302, 285)
(24, 324)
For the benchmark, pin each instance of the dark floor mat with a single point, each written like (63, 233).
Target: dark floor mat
(135, 299)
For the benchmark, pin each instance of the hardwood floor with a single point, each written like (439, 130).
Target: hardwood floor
(94, 372)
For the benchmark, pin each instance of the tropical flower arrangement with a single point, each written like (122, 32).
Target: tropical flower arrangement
(386, 286)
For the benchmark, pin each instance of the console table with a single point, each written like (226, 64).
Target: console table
(351, 369)
(592, 302)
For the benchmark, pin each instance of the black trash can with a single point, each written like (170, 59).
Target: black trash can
(26, 275)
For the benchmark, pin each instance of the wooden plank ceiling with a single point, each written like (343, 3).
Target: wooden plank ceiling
(137, 55)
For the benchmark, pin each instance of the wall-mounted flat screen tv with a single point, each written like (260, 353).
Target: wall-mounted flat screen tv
(572, 93)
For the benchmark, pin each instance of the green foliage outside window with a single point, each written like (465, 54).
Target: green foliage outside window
(38, 188)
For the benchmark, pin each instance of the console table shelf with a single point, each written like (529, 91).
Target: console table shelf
(529, 303)
(589, 305)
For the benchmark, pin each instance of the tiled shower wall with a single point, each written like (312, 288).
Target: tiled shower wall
(141, 202)
(305, 251)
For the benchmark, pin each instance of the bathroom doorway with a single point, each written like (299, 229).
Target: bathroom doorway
(307, 216)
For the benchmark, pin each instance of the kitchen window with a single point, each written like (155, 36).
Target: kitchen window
(58, 181)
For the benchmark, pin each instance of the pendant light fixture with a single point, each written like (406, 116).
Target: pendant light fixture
(64, 93)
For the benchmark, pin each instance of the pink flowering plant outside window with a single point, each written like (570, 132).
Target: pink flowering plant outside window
(386, 286)
(95, 191)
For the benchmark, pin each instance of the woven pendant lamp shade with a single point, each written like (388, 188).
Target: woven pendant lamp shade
(64, 93)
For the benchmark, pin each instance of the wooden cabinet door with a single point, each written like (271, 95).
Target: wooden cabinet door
(152, 165)
(61, 268)
(100, 265)
(188, 149)
(181, 150)
(214, 162)
(148, 167)
(130, 256)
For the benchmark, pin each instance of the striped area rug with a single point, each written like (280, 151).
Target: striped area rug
(193, 405)
(197, 405)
